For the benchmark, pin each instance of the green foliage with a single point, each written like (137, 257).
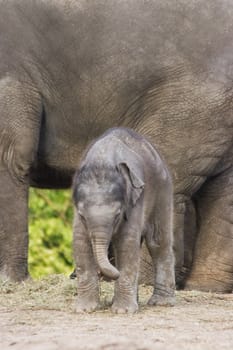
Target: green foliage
(50, 232)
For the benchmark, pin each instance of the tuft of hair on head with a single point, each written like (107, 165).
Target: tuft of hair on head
(99, 174)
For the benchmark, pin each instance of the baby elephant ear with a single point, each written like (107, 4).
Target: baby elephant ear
(134, 181)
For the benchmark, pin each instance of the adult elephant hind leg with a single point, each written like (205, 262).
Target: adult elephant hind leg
(178, 242)
(212, 268)
(19, 133)
(146, 272)
(189, 237)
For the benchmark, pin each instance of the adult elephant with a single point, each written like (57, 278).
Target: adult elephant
(71, 69)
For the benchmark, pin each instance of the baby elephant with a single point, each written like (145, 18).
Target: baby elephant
(122, 193)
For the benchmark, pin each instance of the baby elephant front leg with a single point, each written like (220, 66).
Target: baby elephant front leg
(88, 292)
(126, 287)
(88, 281)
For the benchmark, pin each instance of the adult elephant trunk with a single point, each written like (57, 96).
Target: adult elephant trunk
(100, 245)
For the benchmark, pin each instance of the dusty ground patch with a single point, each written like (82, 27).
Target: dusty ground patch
(39, 315)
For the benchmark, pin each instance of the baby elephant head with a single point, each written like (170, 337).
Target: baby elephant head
(103, 197)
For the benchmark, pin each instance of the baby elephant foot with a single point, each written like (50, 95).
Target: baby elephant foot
(86, 304)
(122, 307)
(88, 294)
(162, 300)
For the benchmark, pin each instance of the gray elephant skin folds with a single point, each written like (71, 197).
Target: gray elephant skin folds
(72, 69)
(122, 192)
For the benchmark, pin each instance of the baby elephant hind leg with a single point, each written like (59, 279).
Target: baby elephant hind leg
(159, 241)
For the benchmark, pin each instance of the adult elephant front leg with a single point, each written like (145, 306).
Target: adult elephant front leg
(19, 132)
(212, 268)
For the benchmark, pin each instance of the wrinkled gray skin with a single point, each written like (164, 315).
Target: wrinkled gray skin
(122, 192)
(69, 70)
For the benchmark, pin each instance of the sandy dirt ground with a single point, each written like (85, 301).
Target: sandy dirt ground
(40, 315)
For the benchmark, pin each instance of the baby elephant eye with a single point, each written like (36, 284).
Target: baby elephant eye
(117, 215)
(118, 212)
(81, 216)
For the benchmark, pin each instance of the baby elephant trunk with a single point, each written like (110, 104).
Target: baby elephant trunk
(100, 245)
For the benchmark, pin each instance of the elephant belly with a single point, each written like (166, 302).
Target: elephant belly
(44, 176)
(57, 159)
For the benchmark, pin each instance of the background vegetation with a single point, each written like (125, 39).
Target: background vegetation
(50, 231)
